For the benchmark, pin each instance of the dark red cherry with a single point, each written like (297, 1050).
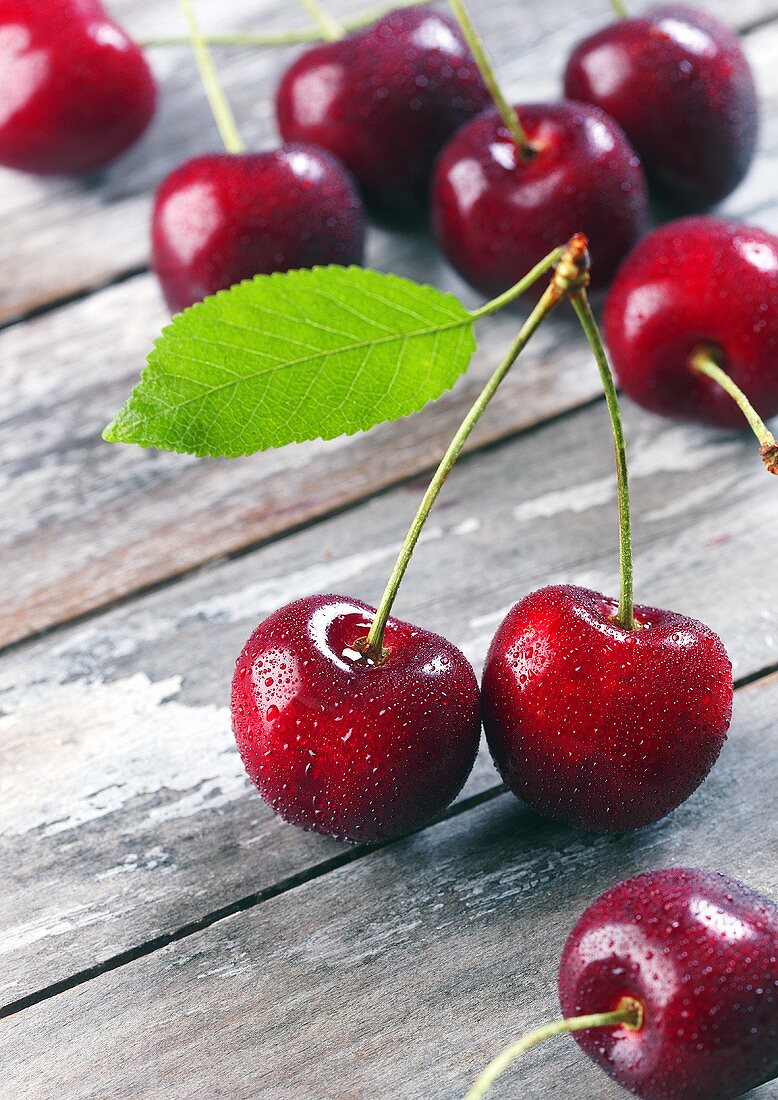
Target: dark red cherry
(603, 728)
(697, 283)
(222, 218)
(496, 213)
(334, 743)
(699, 952)
(679, 85)
(75, 91)
(385, 101)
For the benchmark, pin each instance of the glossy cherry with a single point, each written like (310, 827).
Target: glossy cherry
(679, 84)
(385, 100)
(222, 218)
(600, 727)
(75, 91)
(496, 213)
(699, 952)
(335, 743)
(697, 283)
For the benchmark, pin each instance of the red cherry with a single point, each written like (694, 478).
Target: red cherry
(334, 743)
(385, 101)
(697, 283)
(75, 91)
(222, 218)
(679, 84)
(496, 213)
(600, 727)
(699, 952)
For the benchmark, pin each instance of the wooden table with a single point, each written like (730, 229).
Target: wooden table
(162, 933)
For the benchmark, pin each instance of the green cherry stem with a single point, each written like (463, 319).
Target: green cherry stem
(285, 38)
(225, 120)
(580, 302)
(331, 29)
(507, 113)
(619, 8)
(703, 362)
(372, 647)
(628, 1013)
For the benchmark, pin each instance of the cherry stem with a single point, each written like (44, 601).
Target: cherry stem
(628, 1013)
(703, 362)
(331, 29)
(223, 116)
(625, 615)
(567, 269)
(285, 38)
(507, 113)
(619, 8)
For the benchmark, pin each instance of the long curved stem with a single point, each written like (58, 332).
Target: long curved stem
(516, 291)
(507, 113)
(331, 29)
(625, 614)
(285, 38)
(703, 362)
(372, 647)
(225, 120)
(628, 1013)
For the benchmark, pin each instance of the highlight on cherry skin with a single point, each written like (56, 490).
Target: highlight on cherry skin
(226, 217)
(75, 90)
(696, 285)
(678, 83)
(339, 744)
(683, 965)
(497, 209)
(384, 101)
(600, 727)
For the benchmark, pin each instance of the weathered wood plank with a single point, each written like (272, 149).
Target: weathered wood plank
(399, 975)
(124, 812)
(66, 237)
(82, 523)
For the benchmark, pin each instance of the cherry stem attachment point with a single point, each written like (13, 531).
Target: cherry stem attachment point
(628, 1013)
(703, 362)
(285, 38)
(331, 29)
(625, 614)
(619, 8)
(222, 113)
(372, 646)
(507, 113)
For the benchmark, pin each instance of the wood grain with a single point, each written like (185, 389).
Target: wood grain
(83, 523)
(62, 238)
(124, 811)
(399, 975)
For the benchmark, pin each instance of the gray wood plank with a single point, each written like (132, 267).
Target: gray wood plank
(66, 237)
(82, 523)
(399, 975)
(125, 813)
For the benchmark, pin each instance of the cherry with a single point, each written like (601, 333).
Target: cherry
(601, 727)
(679, 84)
(75, 91)
(497, 208)
(698, 284)
(385, 100)
(334, 742)
(222, 218)
(669, 982)
(600, 714)
(698, 951)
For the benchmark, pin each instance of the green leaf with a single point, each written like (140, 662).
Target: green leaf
(283, 358)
